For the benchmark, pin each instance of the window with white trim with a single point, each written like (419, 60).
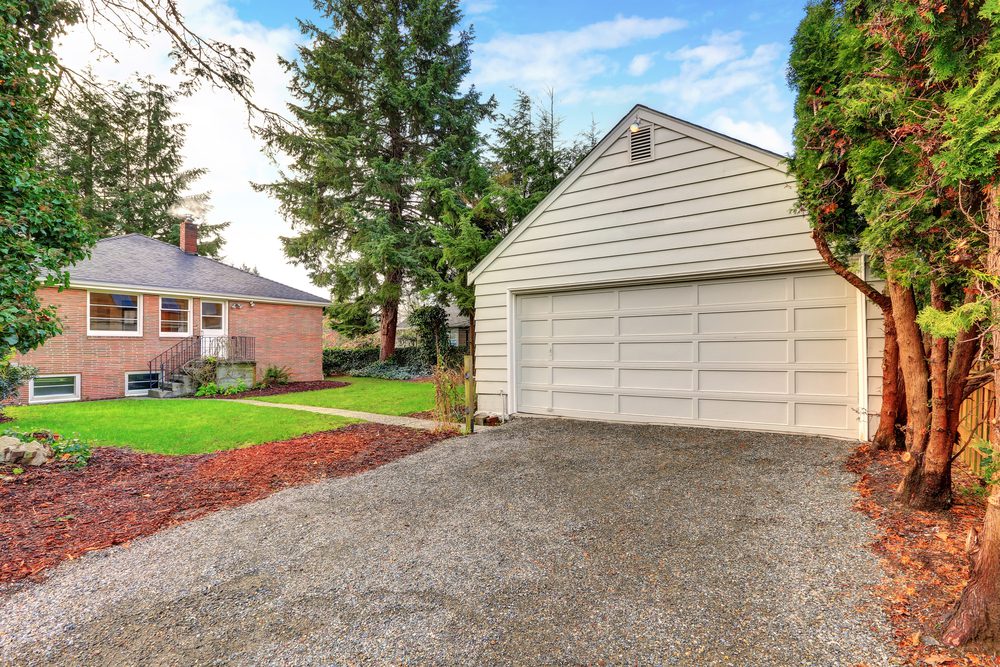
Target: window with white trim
(213, 316)
(139, 383)
(54, 388)
(114, 314)
(175, 316)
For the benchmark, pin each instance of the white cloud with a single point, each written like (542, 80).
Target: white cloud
(718, 49)
(757, 133)
(562, 60)
(218, 138)
(640, 64)
(473, 7)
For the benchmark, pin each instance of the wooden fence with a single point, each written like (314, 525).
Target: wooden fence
(976, 414)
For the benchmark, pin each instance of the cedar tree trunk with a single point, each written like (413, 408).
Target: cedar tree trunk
(976, 616)
(389, 319)
(885, 436)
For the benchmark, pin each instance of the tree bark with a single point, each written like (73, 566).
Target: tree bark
(976, 616)
(885, 436)
(388, 320)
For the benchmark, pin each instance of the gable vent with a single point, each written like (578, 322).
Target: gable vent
(641, 144)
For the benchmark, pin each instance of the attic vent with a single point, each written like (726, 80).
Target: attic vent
(641, 144)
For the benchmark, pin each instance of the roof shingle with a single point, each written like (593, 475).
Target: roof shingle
(138, 261)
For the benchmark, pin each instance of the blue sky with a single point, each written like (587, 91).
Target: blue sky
(720, 64)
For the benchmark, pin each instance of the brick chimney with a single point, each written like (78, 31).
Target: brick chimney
(189, 236)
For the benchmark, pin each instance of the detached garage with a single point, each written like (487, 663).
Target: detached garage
(667, 280)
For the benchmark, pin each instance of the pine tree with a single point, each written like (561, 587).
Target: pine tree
(124, 150)
(382, 126)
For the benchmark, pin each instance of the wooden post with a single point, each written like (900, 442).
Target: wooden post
(470, 396)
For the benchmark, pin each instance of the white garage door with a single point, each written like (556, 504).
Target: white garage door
(776, 353)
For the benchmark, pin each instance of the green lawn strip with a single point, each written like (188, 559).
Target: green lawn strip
(170, 426)
(384, 397)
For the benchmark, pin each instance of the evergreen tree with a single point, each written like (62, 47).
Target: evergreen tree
(124, 150)
(382, 127)
(41, 232)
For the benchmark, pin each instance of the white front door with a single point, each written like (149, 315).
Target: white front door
(213, 329)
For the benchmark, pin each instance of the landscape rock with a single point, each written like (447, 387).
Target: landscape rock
(15, 452)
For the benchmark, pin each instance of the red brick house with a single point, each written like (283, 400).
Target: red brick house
(139, 309)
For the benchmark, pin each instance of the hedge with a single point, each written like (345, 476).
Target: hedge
(343, 361)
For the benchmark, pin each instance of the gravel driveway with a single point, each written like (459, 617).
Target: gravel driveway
(544, 541)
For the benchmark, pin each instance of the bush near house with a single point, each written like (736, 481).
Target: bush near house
(363, 362)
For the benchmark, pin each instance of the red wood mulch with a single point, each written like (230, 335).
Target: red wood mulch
(922, 554)
(52, 513)
(284, 389)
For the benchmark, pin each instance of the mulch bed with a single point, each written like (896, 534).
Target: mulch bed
(289, 388)
(922, 554)
(53, 513)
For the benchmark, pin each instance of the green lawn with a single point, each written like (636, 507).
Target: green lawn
(172, 426)
(384, 397)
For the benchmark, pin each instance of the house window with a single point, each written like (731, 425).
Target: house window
(175, 316)
(140, 382)
(213, 317)
(111, 314)
(453, 337)
(54, 388)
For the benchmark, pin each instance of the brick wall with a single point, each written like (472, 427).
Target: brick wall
(285, 335)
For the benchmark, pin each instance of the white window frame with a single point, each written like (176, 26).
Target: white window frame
(54, 399)
(140, 392)
(117, 334)
(225, 317)
(175, 334)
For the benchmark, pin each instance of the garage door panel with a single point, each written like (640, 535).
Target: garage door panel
(744, 351)
(744, 291)
(743, 321)
(743, 381)
(658, 297)
(829, 318)
(587, 326)
(583, 351)
(584, 377)
(656, 325)
(652, 378)
(821, 351)
(820, 287)
(535, 329)
(744, 411)
(771, 353)
(822, 415)
(583, 402)
(657, 406)
(600, 302)
(665, 351)
(822, 383)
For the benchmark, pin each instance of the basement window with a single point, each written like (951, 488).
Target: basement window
(640, 147)
(140, 382)
(54, 388)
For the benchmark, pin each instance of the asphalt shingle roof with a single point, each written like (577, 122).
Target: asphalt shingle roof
(138, 261)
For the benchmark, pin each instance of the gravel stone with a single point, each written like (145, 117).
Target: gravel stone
(543, 541)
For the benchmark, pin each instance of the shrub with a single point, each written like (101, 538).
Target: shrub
(391, 370)
(208, 389)
(68, 451)
(275, 375)
(12, 376)
(431, 323)
(341, 361)
(449, 395)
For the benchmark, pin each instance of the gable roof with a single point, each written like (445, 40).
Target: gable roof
(644, 113)
(141, 263)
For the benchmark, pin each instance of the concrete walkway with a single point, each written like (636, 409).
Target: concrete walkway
(392, 420)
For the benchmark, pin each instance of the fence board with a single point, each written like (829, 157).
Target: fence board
(975, 416)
